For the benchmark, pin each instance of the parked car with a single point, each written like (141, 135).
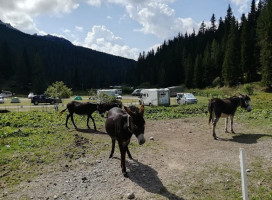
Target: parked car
(44, 99)
(5, 94)
(136, 92)
(118, 96)
(2, 99)
(186, 98)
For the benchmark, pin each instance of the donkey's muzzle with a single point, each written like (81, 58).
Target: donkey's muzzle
(141, 139)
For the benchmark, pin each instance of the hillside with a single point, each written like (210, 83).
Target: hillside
(31, 62)
(226, 51)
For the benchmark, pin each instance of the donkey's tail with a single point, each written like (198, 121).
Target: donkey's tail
(60, 113)
(210, 109)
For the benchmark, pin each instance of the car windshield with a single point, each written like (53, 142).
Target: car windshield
(190, 96)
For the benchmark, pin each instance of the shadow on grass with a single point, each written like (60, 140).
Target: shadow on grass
(246, 138)
(90, 131)
(147, 178)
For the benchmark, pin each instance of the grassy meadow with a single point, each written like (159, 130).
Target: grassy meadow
(36, 139)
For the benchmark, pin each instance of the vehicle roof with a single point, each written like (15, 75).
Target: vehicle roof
(156, 89)
(184, 93)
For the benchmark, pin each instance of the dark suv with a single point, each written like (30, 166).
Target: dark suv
(44, 99)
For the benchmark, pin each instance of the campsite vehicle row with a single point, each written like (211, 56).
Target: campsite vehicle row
(149, 97)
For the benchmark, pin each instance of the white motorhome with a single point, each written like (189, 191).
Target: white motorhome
(155, 97)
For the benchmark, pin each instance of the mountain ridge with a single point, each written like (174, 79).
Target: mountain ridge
(59, 60)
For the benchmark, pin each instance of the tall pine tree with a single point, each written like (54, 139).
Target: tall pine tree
(265, 41)
(231, 67)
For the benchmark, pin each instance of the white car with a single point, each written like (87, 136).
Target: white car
(186, 98)
(1, 99)
(118, 96)
(30, 95)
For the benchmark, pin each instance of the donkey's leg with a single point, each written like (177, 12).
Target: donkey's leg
(66, 124)
(123, 158)
(214, 125)
(226, 124)
(112, 147)
(72, 118)
(231, 123)
(128, 152)
(90, 116)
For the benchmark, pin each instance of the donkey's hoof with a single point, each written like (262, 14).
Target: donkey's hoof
(215, 138)
(125, 174)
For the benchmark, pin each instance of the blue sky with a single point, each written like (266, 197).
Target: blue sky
(120, 27)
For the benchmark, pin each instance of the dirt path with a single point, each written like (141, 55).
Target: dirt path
(164, 168)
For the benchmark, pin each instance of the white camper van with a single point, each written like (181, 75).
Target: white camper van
(155, 97)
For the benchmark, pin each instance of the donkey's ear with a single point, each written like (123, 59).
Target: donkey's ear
(128, 110)
(142, 110)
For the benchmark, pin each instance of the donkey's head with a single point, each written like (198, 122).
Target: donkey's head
(136, 122)
(101, 109)
(245, 102)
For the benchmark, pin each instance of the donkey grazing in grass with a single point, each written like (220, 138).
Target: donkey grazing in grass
(79, 108)
(226, 108)
(121, 125)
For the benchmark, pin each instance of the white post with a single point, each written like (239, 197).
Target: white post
(243, 174)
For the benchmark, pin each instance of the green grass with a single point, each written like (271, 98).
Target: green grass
(31, 140)
(221, 182)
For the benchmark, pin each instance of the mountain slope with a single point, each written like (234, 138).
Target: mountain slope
(31, 62)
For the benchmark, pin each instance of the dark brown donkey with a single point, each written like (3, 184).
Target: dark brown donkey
(121, 125)
(226, 108)
(104, 107)
(79, 108)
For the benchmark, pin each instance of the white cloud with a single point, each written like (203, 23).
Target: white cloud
(159, 19)
(94, 2)
(58, 35)
(102, 39)
(156, 17)
(242, 4)
(20, 13)
(79, 28)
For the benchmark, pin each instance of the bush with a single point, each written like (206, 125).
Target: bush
(104, 98)
(59, 89)
(248, 89)
(217, 82)
(127, 90)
